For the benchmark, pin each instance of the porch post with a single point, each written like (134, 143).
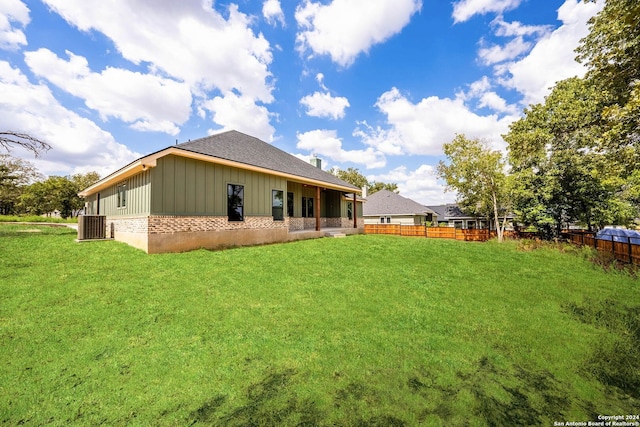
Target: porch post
(355, 211)
(317, 208)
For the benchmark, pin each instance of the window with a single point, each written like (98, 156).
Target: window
(457, 224)
(290, 204)
(121, 191)
(310, 207)
(307, 207)
(235, 202)
(277, 205)
(381, 220)
(350, 210)
(388, 220)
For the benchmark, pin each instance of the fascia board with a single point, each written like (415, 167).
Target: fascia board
(150, 161)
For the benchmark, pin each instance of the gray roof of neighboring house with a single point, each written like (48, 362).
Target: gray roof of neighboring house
(239, 147)
(453, 211)
(449, 211)
(385, 202)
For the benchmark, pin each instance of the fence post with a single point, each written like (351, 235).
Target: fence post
(613, 247)
(629, 249)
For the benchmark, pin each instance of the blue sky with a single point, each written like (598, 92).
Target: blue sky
(378, 85)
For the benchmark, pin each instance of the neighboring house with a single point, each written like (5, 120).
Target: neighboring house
(224, 190)
(450, 215)
(387, 207)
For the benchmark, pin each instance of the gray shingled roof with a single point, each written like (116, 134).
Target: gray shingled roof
(239, 147)
(449, 211)
(385, 202)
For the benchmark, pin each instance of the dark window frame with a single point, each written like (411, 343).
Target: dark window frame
(235, 202)
(121, 195)
(290, 203)
(277, 211)
(310, 211)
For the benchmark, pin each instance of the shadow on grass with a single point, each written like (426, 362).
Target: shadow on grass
(271, 402)
(498, 397)
(614, 362)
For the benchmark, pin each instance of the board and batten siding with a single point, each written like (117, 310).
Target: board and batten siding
(184, 186)
(137, 198)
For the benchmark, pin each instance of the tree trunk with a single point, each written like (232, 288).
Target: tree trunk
(497, 218)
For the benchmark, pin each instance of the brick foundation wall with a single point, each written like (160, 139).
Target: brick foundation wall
(181, 224)
(127, 225)
(297, 224)
(161, 224)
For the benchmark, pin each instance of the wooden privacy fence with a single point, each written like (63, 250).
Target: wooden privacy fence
(469, 235)
(622, 251)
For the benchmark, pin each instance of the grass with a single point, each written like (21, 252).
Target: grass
(366, 330)
(37, 218)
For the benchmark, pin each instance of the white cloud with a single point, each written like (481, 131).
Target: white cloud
(327, 143)
(234, 112)
(13, 12)
(515, 29)
(320, 80)
(272, 12)
(343, 29)
(422, 128)
(321, 104)
(420, 185)
(497, 53)
(148, 102)
(187, 40)
(463, 10)
(75, 140)
(553, 58)
(495, 102)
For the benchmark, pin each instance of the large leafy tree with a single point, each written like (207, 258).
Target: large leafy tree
(353, 176)
(377, 186)
(57, 193)
(478, 175)
(611, 52)
(15, 175)
(560, 174)
(575, 157)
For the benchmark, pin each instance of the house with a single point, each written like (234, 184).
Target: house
(387, 207)
(450, 215)
(228, 189)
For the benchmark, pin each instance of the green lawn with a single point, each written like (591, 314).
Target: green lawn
(365, 330)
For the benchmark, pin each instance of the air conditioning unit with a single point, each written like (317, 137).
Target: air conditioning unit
(92, 227)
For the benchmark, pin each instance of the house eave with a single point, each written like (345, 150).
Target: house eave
(150, 161)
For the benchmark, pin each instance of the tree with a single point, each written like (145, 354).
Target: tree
(15, 175)
(57, 193)
(611, 51)
(478, 175)
(562, 173)
(377, 186)
(31, 143)
(353, 176)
